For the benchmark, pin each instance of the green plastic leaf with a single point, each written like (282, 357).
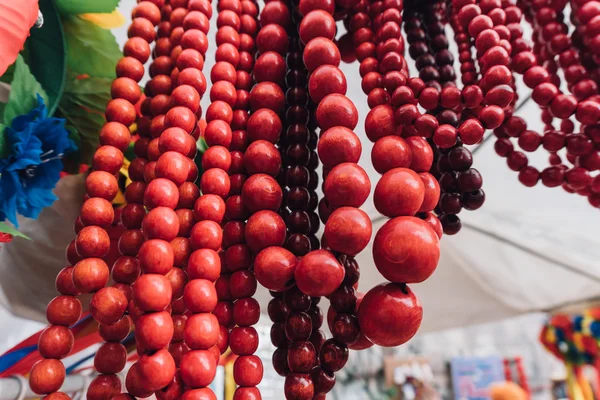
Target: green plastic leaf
(91, 50)
(4, 145)
(5, 228)
(23, 90)
(47, 55)
(85, 6)
(82, 105)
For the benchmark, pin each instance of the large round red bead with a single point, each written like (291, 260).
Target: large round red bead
(400, 191)
(274, 268)
(319, 273)
(406, 250)
(348, 230)
(390, 314)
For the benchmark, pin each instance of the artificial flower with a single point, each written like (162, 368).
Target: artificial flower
(28, 174)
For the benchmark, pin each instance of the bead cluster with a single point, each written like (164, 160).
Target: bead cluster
(187, 251)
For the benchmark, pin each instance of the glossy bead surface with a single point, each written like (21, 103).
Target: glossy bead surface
(406, 250)
(318, 273)
(390, 314)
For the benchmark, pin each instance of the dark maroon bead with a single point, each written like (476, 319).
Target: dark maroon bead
(298, 244)
(297, 154)
(278, 310)
(449, 182)
(333, 355)
(324, 381)
(297, 134)
(473, 200)
(451, 223)
(316, 316)
(317, 338)
(298, 222)
(460, 159)
(298, 326)
(345, 328)
(298, 198)
(469, 180)
(297, 300)
(297, 175)
(315, 223)
(280, 363)
(301, 356)
(450, 203)
(352, 270)
(278, 336)
(297, 96)
(343, 299)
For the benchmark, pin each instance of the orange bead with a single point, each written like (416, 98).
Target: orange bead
(90, 275)
(46, 376)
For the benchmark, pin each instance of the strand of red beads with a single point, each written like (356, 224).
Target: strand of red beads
(199, 354)
(545, 93)
(241, 284)
(233, 66)
(393, 306)
(296, 348)
(428, 46)
(302, 180)
(107, 304)
(318, 25)
(295, 176)
(584, 16)
(171, 150)
(90, 273)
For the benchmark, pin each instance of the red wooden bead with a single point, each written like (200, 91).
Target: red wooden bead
(57, 396)
(320, 51)
(152, 292)
(380, 122)
(264, 229)
(390, 152)
(154, 331)
(267, 95)
(261, 192)
(101, 184)
(318, 273)
(338, 145)
(348, 230)
(64, 282)
(347, 184)
(406, 249)
(135, 384)
(157, 369)
(274, 268)
(264, 124)
(215, 181)
(115, 332)
(201, 331)
(326, 80)
(243, 340)
(390, 314)
(161, 192)
(200, 296)
(247, 393)
(272, 37)
(336, 110)
(317, 23)
(422, 155)
(110, 358)
(55, 342)
(400, 191)
(248, 370)
(298, 387)
(90, 275)
(108, 305)
(46, 376)
(262, 157)
(246, 311)
(156, 257)
(198, 368)
(204, 264)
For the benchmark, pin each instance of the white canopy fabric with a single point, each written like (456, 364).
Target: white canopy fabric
(526, 249)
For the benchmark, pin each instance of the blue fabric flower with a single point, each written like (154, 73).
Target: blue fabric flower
(32, 168)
